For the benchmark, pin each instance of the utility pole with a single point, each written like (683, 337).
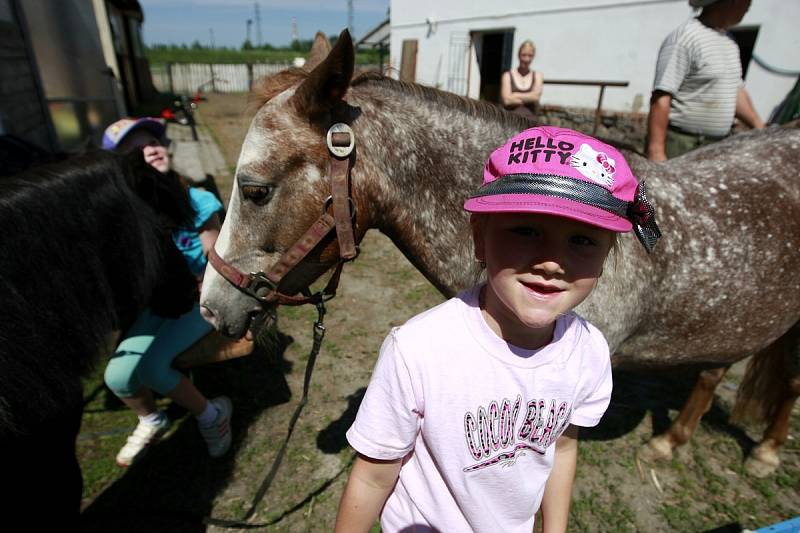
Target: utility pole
(258, 23)
(295, 34)
(211, 33)
(249, 23)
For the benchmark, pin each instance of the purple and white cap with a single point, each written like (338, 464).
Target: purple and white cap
(557, 171)
(117, 131)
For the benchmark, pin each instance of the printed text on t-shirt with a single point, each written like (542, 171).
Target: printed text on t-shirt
(492, 436)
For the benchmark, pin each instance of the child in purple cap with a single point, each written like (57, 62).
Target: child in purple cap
(142, 362)
(470, 421)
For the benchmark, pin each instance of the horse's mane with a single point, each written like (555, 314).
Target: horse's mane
(270, 86)
(475, 108)
(83, 249)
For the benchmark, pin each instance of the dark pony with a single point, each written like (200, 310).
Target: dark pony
(86, 246)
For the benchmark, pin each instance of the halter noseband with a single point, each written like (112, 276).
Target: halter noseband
(264, 286)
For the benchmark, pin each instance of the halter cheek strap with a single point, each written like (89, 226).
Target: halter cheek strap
(263, 286)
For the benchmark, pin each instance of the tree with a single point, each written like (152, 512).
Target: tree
(247, 45)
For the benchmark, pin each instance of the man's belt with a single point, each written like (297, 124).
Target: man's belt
(695, 134)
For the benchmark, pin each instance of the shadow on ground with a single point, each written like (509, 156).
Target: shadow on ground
(174, 486)
(635, 394)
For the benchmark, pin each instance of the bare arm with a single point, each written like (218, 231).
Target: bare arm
(558, 490)
(209, 233)
(208, 237)
(745, 110)
(535, 94)
(657, 122)
(370, 483)
(511, 99)
(508, 98)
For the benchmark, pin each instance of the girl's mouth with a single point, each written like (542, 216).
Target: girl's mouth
(542, 290)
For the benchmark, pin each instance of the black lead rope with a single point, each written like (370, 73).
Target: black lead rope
(319, 333)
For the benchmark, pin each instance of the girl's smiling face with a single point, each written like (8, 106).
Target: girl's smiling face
(538, 267)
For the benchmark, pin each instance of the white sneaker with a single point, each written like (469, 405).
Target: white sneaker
(218, 434)
(140, 440)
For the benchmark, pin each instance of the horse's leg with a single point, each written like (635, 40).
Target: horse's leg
(764, 459)
(768, 391)
(699, 402)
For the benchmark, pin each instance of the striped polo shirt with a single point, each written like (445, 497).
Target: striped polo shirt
(700, 67)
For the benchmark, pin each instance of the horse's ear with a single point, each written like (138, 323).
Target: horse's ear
(328, 82)
(319, 51)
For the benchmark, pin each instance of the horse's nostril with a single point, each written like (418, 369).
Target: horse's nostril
(209, 315)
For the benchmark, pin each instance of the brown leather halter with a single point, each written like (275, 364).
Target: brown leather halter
(264, 286)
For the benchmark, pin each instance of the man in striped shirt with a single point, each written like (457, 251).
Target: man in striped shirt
(698, 86)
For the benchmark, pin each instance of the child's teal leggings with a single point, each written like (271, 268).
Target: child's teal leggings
(144, 357)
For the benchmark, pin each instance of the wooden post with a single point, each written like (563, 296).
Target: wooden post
(408, 61)
(249, 76)
(597, 111)
(213, 83)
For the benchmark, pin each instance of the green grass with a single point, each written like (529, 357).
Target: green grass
(159, 56)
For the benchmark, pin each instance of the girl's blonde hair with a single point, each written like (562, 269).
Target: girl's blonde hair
(527, 42)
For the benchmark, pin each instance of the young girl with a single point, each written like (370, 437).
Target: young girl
(470, 421)
(143, 360)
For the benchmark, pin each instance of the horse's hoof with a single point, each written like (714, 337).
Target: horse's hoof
(656, 449)
(762, 462)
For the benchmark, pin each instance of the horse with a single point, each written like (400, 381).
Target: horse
(720, 286)
(86, 246)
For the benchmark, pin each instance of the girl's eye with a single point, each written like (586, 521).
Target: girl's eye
(258, 194)
(524, 231)
(582, 240)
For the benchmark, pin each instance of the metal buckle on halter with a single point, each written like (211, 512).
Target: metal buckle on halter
(329, 202)
(340, 151)
(260, 285)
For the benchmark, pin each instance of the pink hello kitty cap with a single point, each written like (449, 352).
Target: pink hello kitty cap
(562, 172)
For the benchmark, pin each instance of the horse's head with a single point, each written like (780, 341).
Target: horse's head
(281, 184)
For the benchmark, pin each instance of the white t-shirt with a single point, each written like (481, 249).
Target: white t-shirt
(700, 67)
(474, 418)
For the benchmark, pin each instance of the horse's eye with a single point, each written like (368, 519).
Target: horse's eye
(258, 194)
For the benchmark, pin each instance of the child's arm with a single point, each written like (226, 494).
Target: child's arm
(370, 483)
(558, 490)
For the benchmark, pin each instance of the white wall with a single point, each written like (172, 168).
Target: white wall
(590, 39)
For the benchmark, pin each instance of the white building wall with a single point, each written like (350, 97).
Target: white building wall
(589, 40)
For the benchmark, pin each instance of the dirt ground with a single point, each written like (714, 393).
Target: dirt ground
(177, 486)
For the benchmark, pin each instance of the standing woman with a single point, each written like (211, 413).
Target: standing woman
(142, 362)
(521, 88)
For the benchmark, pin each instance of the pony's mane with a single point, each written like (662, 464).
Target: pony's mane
(476, 108)
(83, 250)
(271, 86)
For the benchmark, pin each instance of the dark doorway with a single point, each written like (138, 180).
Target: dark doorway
(745, 37)
(494, 58)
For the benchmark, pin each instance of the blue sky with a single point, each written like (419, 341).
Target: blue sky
(183, 21)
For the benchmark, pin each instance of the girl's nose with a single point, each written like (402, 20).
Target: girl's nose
(549, 266)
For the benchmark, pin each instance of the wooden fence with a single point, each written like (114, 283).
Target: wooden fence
(221, 78)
